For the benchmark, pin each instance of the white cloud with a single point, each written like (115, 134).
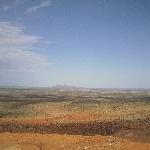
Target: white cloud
(43, 4)
(17, 62)
(14, 35)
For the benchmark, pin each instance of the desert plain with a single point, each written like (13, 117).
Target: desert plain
(74, 119)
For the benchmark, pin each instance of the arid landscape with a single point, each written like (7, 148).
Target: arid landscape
(72, 118)
(74, 74)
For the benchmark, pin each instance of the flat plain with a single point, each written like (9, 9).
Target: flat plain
(105, 119)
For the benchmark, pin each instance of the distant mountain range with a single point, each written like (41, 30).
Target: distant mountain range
(68, 88)
(78, 88)
(56, 87)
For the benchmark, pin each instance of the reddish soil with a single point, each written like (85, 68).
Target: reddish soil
(28, 141)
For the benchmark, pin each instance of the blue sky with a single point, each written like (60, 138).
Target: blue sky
(91, 43)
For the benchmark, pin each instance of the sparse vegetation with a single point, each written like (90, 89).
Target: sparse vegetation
(123, 115)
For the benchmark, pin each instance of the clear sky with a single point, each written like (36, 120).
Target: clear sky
(89, 43)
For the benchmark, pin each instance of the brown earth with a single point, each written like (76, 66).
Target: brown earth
(28, 141)
(69, 121)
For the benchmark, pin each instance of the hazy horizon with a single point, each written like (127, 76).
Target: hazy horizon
(73, 87)
(83, 43)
